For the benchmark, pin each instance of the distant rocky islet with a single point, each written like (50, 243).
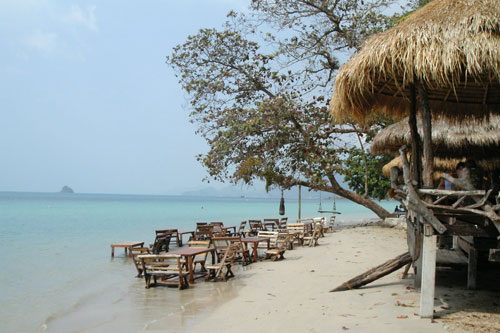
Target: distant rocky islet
(67, 189)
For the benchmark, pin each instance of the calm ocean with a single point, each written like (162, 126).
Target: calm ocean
(56, 247)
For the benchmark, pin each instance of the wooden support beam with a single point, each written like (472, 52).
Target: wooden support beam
(450, 192)
(416, 160)
(414, 202)
(428, 167)
(472, 269)
(494, 255)
(428, 276)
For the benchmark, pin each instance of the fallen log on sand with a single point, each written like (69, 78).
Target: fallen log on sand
(375, 273)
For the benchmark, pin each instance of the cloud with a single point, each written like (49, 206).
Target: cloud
(84, 17)
(45, 42)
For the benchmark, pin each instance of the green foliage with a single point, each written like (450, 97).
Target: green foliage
(257, 89)
(378, 184)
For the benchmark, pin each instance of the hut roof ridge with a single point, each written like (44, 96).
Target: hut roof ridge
(447, 44)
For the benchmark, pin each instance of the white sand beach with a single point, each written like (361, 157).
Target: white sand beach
(293, 295)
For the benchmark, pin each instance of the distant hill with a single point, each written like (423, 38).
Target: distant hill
(67, 189)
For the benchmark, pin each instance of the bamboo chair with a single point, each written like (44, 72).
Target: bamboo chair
(255, 226)
(298, 230)
(329, 225)
(271, 224)
(162, 243)
(312, 240)
(241, 229)
(173, 233)
(203, 232)
(321, 221)
(134, 253)
(283, 222)
(222, 243)
(164, 267)
(284, 235)
(272, 235)
(200, 258)
(222, 270)
(218, 228)
(278, 253)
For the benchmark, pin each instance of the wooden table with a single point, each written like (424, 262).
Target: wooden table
(255, 242)
(189, 253)
(126, 245)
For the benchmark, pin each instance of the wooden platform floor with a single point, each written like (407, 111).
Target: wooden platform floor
(447, 257)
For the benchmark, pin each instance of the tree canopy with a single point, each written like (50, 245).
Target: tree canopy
(257, 90)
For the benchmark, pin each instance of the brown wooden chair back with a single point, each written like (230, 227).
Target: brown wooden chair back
(203, 232)
(134, 253)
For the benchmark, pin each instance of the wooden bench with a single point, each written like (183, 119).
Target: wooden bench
(167, 268)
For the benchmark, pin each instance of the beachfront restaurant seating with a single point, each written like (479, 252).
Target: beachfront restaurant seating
(174, 233)
(328, 226)
(312, 239)
(161, 243)
(283, 222)
(222, 270)
(164, 269)
(271, 224)
(255, 226)
(134, 253)
(203, 232)
(278, 253)
(241, 229)
(218, 228)
(201, 258)
(322, 222)
(297, 230)
(272, 235)
(222, 243)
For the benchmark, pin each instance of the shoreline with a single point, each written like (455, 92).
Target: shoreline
(293, 295)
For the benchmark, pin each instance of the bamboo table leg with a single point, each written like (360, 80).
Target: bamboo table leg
(190, 267)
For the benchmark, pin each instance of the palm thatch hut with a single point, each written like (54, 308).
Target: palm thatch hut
(447, 165)
(471, 138)
(451, 47)
(446, 55)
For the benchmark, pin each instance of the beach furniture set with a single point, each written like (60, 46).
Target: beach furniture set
(158, 264)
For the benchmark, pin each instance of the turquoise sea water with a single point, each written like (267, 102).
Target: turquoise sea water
(56, 247)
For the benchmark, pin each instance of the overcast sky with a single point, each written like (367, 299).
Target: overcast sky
(86, 98)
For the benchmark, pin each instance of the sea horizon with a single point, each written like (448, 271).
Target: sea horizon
(59, 244)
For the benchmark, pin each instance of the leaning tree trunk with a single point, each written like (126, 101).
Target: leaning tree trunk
(359, 199)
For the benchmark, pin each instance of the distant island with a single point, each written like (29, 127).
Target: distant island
(67, 189)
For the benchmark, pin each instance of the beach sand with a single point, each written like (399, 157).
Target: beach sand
(293, 295)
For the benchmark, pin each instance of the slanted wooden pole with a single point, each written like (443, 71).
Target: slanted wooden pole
(375, 273)
(428, 272)
(416, 160)
(428, 167)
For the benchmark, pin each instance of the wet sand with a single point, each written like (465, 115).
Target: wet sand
(293, 295)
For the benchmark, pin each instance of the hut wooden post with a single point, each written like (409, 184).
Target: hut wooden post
(416, 161)
(428, 272)
(428, 168)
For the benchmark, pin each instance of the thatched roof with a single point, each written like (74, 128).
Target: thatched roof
(469, 138)
(451, 46)
(446, 165)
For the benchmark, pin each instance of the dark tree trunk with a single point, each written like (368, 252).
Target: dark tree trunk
(359, 199)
